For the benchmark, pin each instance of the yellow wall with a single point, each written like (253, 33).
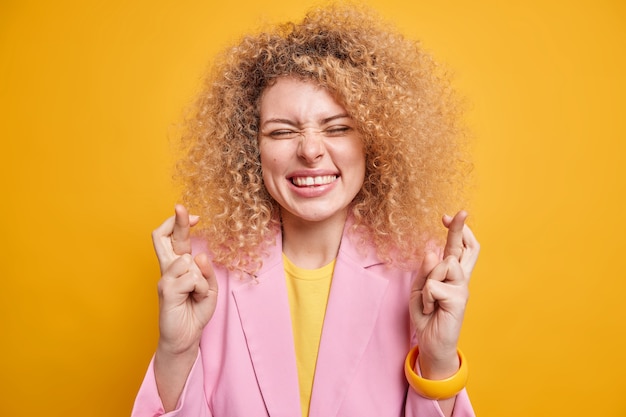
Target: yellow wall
(90, 90)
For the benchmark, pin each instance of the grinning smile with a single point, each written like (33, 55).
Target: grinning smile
(313, 181)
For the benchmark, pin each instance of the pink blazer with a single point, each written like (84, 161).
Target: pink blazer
(247, 366)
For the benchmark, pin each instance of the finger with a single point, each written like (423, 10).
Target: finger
(449, 270)
(205, 267)
(450, 298)
(454, 242)
(182, 279)
(429, 262)
(162, 236)
(453, 272)
(448, 274)
(431, 268)
(169, 284)
(429, 301)
(181, 242)
(438, 274)
(470, 254)
(162, 243)
(179, 267)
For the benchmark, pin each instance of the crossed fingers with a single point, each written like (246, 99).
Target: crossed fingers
(173, 238)
(461, 242)
(443, 281)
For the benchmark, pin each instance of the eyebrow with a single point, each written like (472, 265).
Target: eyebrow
(292, 123)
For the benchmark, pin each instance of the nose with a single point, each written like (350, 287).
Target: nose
(311, 146)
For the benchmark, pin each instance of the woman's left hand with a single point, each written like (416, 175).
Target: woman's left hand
(439, 296)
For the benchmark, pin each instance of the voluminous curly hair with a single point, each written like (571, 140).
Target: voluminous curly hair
(399, 98)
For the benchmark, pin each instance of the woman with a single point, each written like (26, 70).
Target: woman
(318, 155)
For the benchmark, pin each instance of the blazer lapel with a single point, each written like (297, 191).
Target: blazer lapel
(353, 306)
(264, 313)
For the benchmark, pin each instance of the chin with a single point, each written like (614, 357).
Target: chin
(319, 216)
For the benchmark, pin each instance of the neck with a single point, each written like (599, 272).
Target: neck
(312, 245)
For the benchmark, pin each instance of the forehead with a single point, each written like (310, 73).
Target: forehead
(299, 100)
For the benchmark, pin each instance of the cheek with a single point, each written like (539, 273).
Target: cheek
(274, 156)
(268, 168)
(265, 157)
(358, 159)
(360, 163)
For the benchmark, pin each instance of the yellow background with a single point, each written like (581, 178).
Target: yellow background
(89, 92)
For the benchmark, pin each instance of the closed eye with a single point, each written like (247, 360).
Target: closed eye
(284, 134)
(337, 131)
(332, 131)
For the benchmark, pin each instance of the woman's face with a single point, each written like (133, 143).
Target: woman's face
(312, 157)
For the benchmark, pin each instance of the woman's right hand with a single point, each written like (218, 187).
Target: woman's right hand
(187, 288)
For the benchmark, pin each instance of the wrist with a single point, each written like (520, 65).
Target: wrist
(168, 352)
(438, 367)
(435, 389)
(174, 365)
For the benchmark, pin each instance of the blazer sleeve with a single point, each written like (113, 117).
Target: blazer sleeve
(192, 400)
(418, 406)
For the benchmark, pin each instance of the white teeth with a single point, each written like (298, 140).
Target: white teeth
(310, 181)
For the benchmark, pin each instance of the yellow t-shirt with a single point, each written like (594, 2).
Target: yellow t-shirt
(308, 291)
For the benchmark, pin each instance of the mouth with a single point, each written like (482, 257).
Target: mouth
(313, 181)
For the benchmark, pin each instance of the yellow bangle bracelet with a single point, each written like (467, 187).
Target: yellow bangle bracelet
(435, 389)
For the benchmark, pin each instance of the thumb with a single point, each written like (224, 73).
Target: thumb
(204, 264)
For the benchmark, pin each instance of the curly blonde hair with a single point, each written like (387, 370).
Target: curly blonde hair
(399, 98)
